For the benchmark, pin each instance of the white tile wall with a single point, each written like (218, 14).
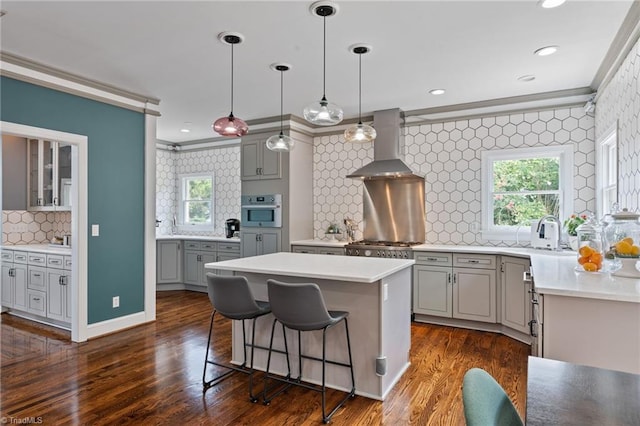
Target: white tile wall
(41, 226)
(224, 163)
(448, 155)
(620, 100)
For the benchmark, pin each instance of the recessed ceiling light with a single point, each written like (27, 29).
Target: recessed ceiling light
(548, 4)
(527, 77)
(186, 127)
(185, 130)
(546, 51)
(437, 91)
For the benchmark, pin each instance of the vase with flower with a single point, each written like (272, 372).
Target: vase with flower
(571, 225)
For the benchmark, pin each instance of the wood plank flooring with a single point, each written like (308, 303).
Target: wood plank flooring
(152, 374)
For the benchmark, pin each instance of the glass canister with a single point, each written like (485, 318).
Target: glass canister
(590, 254)
(622, 237)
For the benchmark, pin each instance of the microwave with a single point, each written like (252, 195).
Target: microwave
(263, 211)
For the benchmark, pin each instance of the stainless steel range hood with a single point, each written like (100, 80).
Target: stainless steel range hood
(386, 148)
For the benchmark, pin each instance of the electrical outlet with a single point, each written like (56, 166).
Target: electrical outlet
(116, 301)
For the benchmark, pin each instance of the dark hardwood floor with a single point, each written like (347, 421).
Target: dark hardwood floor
(152, 374)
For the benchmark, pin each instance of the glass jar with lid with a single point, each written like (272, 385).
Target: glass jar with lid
(622, 239)
(590, 253)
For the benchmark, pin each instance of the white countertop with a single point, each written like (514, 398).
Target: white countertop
(41, 248)
(554, 272)
(320, 243)
(341, 268)
(198, 238)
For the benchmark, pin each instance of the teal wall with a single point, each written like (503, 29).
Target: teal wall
(116, 186)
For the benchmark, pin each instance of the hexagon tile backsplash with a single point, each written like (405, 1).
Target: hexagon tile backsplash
(37, 227)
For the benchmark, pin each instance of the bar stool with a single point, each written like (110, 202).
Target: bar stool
(301, 307)
(233, 299)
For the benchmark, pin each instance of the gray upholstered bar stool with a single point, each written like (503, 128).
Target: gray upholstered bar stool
(301, 307)
(232, 298)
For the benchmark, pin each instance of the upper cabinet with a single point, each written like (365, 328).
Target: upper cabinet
(49, 175)
(258, 162)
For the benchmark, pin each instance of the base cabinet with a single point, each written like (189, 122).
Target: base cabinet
(14, 283)
(455, 285)
(169, 262)
(515, 298)
(196, 255)
(258, 241)
(58, 291)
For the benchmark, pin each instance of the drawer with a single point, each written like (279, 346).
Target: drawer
(68, 262)
(20, 257)
(329, 250)
(210, 246)
(55, 261)
(303, 249)
(192, 245)
(7, 256)
(229, 247)
(37, 302)
(480, 261)
(37, 278)
(37, 259)
(433, 258)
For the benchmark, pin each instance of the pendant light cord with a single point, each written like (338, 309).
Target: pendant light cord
(231, 80)
(324, 57)
(281, 100)
(360, 88)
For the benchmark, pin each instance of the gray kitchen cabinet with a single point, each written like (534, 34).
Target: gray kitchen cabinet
(515, 297)
(58, 291)
(295, 248)
(227, 251)
(14, 282)
(257, 241)
(258, 162)
(432, 278)
(169, 261)
(49, 176)
(196, 255)
(455, 285)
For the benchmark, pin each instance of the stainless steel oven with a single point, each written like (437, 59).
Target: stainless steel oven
(263, 211)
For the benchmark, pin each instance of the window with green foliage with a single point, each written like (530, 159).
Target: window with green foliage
(196, 200)
(523, 185)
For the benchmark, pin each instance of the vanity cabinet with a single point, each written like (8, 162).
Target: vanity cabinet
(49, 175)
(455, 285)
(169, 261)
(14, 280)
(257, 161)
(196, 255)
(515, 298)
(258, 241)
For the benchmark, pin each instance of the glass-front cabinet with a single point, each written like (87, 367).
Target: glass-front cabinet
(49, 175)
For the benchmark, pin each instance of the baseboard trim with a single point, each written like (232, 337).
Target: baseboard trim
(114, 325)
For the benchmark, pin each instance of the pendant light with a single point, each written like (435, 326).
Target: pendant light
(281, 142)
(323, 113)
(360, 132)
(230, 126)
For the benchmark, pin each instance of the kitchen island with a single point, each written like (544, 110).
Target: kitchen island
(377, 294)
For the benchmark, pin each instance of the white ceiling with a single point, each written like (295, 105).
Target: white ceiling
(169, 50)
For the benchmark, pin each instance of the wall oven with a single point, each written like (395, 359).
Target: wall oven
(263, 211)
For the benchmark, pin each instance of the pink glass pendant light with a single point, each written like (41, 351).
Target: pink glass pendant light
(230, 126)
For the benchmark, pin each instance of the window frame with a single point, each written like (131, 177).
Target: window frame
(564, 153)
(182, 180)
(606, 169)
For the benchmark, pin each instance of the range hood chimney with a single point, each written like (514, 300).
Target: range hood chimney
(389, 142)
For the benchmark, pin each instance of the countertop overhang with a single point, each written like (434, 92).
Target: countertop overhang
(197, 238)
(40, 248)
(319, 266)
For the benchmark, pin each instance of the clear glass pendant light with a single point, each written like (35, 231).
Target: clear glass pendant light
(230, 126)
(280, 142)
(323, 112)
(360, 132)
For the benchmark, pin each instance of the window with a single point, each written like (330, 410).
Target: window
(607, 171)
(196, 200)
(523, 185)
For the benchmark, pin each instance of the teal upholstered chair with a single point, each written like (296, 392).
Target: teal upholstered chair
(485, 402)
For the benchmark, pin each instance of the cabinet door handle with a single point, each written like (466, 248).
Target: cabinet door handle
(60, 280)
(474, 261)
(37, 275)
(533, 333)
(55, 201)
(37, 299)
(12, 272)
(449, 278)
(454, 278)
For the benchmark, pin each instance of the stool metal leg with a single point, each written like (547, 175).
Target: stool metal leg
(266, 399)
(206, 384)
